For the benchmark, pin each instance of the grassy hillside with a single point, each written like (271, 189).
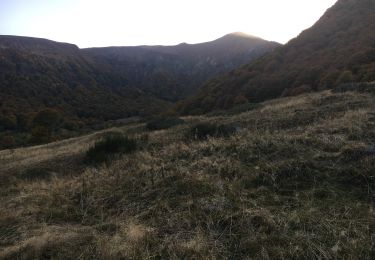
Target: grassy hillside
(290, 178)
(339, 48)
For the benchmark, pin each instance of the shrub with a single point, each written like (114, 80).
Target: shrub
(202, 131)
(8, 122)
(107, 148)
(48, 118)
(345, 77)
(356, 86)
(300, 90)
(40, 135)
(235, 110)
(164, 123)
(7, 141)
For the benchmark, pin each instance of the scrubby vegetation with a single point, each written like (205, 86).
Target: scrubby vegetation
(203, 131)
(296, 181)
(245, 107)
(112, 145)
(356, 86)
(163, 123)
(291, 178)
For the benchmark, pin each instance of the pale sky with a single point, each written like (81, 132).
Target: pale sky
(90, 23)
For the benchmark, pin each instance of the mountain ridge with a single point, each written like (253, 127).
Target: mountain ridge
(338, 48)
(91, 86)
(192, 64)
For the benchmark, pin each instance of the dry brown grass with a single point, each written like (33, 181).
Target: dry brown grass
(295, 182)
(26, 157)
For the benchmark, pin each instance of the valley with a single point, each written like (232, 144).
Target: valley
(236, 148)
(86, 88)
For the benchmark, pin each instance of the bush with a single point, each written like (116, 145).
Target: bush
(7, 141)
(345, 77)
(356, 86)
(107, 148)
(202, 131)
(8, 122)
(298, 91)
(235, 110)
(163, 123)
(48, 118)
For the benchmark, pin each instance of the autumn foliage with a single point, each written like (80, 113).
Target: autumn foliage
(338, 49)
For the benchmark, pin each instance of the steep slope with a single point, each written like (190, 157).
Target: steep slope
(339, 48)
(91, 86)
(175, 72)
(38, 73)
(106, 83)
(87, 87)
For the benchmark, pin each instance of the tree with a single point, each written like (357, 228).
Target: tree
(25, 121)
(47, 118)
(44, 124)
(8, 122)
(328, 81)
(7, 141)
(345, 77)
(240, 99)
(300, 90)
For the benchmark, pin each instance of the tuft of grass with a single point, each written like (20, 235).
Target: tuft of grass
(107, 148)
(202, 131)
(355, 152)
(37, 173)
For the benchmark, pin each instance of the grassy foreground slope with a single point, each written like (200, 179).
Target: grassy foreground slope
(295, 181)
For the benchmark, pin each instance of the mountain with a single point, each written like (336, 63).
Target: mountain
(90, 86)
(339, 48)
(111, 82)
(175, 72)
(38, 73)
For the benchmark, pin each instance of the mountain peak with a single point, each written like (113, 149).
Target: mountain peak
(34, 44)
(240, 34)
(338, 48)
(240, 37)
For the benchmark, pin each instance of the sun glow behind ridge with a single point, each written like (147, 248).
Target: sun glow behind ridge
(138, 22)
